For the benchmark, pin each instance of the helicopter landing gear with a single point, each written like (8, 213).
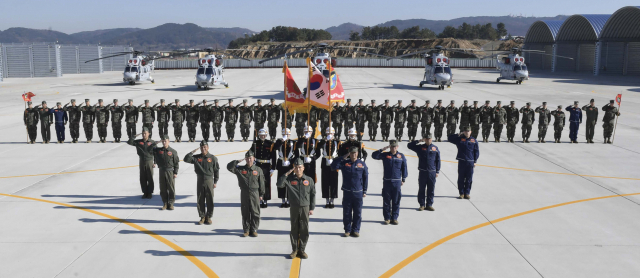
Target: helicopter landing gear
(199, 87)
(441, 87)
(153, 81)
(498, 80)
(519, 82)
(132, 83)
(420, 85)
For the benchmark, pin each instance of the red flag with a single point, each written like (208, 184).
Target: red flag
(337, 92)
(619, 99)
(294, 99)
(28, 96)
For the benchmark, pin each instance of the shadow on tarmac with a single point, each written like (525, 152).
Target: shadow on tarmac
(214, 254)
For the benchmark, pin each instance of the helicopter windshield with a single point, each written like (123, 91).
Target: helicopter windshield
(209, 70)
(519, 67)
(200, 71)
(440, 69)
(131, 69)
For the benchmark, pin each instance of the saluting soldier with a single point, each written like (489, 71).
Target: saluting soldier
(499, 119)
(387, 116)
(231, 118)
(301, 122)
(208, 172)
(394, 175)
(75, 115)
(204, 114)
(413, 119)
(286, 116)
(164, 115)
(400, 119)
(558, 123)
(324, 121)
(31, 117)
(349, 117)
(168, 162)
(216, 114)
(302, 192)
(337, 118)
(486, 117)
(259, 117)
(428, 168)
(608, 121)
(528, 118)
(262, 149)
(439, 119)
(251, 182)
(46, 119)
(273, 116)
(360, 111)
(474, 119)
(148, 116)
(61, 119)
(352, 141)
(544, 118)
(592, 119)
(373, 117)
(246, 117)
(355, 181)
(88, 118)
(468, 154)
(144, 148)
(177, 117)
(465, 114)
(117, 113)
(453, 116)
(328, 149)
(193, 116)
(575, 119)
(426, 118)
(283, 152)
(131, 118)
(102, 120)
(513, 116)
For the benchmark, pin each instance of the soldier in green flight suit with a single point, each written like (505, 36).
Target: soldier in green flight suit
(144, 148)
(169, 163)
(208, 172)
(251, 182)
(31, 117)
(148, 116)
(46, 119)
(608, 121)
(592, 119)
(302, 195)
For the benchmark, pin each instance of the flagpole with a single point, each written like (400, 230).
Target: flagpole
(25, 110)
(308, 100)
(284, 128)
(616, 125)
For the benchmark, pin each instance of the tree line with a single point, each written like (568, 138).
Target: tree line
(464, 31)
(282, 34)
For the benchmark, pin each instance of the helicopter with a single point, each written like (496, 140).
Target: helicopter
(211, 67)
(138, 68)
(512, 66)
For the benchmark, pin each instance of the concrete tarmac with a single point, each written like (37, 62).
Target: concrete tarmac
(74, 210)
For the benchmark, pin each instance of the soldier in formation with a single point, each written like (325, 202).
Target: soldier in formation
(400, 118)
(178, 115)
(439, 119)
(413, 119)
(163, 115)
(386, 119)
(453, 115)
(246, 117)
(148, 116)
(608, 121)
(117, 114)
(192, 117)
(528, 118)
(513, 116)
(544, 118)
(131, 118)
(61, 119)
(46, 119)
(559, 121)
(575, 119)
(31, 118)
(426, 118)
(592, 119)
(360, 111)
(499, 119)
(75, 115)
(373, 117)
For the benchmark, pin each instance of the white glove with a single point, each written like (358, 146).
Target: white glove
(307, 160)
(271, 171)
(329, 161)
(329, 137)
(286, 163)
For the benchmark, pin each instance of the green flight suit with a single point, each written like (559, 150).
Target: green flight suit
(251, 183)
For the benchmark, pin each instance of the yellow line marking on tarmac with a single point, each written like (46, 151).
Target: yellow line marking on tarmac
(93, 170)
(528, 170)
(203, 267)
(295, 268)
(437, 243)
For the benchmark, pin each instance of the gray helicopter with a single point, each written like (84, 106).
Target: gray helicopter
(139, 66)
(512, 66)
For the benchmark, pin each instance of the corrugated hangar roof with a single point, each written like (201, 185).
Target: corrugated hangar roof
(582, 27)
(543, 31)
(624, 25)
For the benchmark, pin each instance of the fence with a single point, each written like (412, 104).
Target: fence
(345, 63)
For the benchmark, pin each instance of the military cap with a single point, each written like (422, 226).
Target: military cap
(544, 103)
(177, 100)
(44, 102)
(513, 102)
(399, 101)
(244, 101)
(273, 99)
(73, 100)
(498, 102)
(475, 102)
(249, 153)
(99, 100)
(393, 143)
(131, 100)
(612, 101)
(146, 101)
(487, 102)
(216, 101)
(29, 102)
(453, 101)
(191, 101)
(204, 143)
(348, 100)
(298, 161)
(259, 101)
(115, 100)
(162, 100)
(465, 101)
(230, 100)
(529, 103)
(58, 103)
(360, 100)
(386, 101)
(353, 150)
(86, 100)
(427, 101)
(575, 102)
(145, 129)
(204, 100)
(560, 106)
(466, 128)
(427, 136)
(592, 100)
(373, 101)
(439, 101)
(413, 101)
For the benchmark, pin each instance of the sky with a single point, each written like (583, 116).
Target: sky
(72, 16)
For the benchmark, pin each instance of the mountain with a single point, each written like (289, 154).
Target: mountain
(236, 31)
(26, 35)
(341, 32)
(99, 36)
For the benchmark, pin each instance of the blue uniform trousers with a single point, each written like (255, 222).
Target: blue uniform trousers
(60, 131)
(391, 194)
(573, 130)
(426, 186)
(465, 176)
(351, 211)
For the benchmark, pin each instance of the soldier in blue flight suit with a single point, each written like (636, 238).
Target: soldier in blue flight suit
(575, 119)
(61, 118)
(355, 181)
(395, 173)
(429, 167)
(468, 153)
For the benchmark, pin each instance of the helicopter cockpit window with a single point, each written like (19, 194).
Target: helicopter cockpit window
(133, 69)
(209, 70)
(519, 67)
(200, 71)
(440, 69)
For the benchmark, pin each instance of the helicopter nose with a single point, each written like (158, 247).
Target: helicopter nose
(442, 78)
(522, 74)
(130, 76)
(202, 78)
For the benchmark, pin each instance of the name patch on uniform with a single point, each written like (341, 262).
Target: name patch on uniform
(294, 183)
(199, 159)
(388, 157)
(348, 164)
(209, 160)
(244, 172)
(161, 152)
(306, 183)
(424, 149)
(169, 153)
(463, 140)
(433, 149)
(141, 143)
(255, 173)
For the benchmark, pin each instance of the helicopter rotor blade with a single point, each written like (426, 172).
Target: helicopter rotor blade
(286, 54)
(369, 53)
(360, 47)
(110, 56)
(564, 57)
(409, 54)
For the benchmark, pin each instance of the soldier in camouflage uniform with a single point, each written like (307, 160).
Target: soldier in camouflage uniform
(360, 111)
(558, 124)
(499, 119)
(246, 117)
(178, 114)
(259, 117)
(273, 116)
(88, 118)
(413, 119)
(453, 116)
(400, 119)
(426, 118)
(608, 121)
(314, 114)
(216, 114)
(301, 122)
(46, 119)
(102, 120)
(204, 113)
(164, 115)
(486, 117)
(439, 119)
(193, 115)
(544, 117)
(324, 120)
(373, 117)
(31, 117)
(528, 118)
(131, 118)
(337, 119)
(349, 117)
(386, 118)
(592, 119)
(148, 116)
(74, 120)
(474, 119)
(465, 113)
(286, 117)
(513, 116)
(230, 119)
(117, 113)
